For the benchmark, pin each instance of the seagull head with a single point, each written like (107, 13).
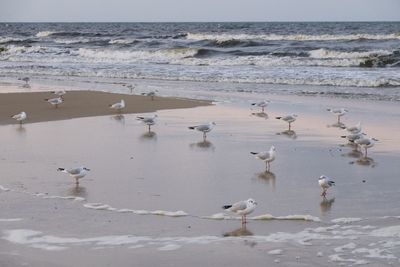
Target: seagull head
(322, 177)
(272, 148)
(251, 202)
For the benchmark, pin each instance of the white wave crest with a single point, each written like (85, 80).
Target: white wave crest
(159, 56)
(45, 33)
(72, 41)
(291, 37)
(324, 53)
(122, 41)
(9, 39)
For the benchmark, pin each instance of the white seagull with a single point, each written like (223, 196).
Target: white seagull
(267, 156)
(149, 121)
(366, 142)
(339, 112)
(242, 208)
(59, 93)
(152, 94)
(76, 173)
(118, 106)
(205, 128)
(20, 117)
(25, 79)
(288, 118)
(353, 136)
(261, 104)
(325, 182)
(354, 129)
(55, 101)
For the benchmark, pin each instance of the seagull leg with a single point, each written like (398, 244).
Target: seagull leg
(289, 126)
(149, 128)
(366, 153)
(76, 181)
(262, 109)
(204, 136)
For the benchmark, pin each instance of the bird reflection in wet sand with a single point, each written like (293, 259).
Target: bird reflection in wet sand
(268, 177)
(261, 115)
(365, 161)
(242, 231)
(205, 145)
(326, 204)
(337, 125)
(21, 129)
(288, 133)
(353, 153)
(149, 136)
(119, 118)
(77, 191)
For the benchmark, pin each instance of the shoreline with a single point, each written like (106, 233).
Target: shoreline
(85, 103)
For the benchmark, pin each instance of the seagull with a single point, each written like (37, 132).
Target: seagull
(261, 104)
(354, 129)
(118, 106)
(152, 94)
(55, 101)
(59, 93)
(288, 118)
(20, 117)
(339, 112)
(366, 142)
(242, 208)
(266, 156)
(149, 121)
(76, 173)
(325, 182)
(353, 136)
(25, 79)
(205, 128)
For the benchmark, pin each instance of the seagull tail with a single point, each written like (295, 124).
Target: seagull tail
(278, 118)
(331, 183)
(61, 169)
(253, 104)
(192, 127)
(140, 118)
(46, 99)
(225, 207)
(253, 153)
(343, 136)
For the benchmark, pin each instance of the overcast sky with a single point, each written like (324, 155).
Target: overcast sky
(198, 10)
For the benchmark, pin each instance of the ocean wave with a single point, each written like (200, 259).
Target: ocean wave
(123, 41)
(45, 33)
(158, 56)
(223, 37)
(325, 53)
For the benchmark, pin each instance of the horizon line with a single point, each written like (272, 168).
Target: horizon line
(224, 21)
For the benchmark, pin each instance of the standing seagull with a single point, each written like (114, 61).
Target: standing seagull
(152, 94)
(205, 128)
(266, 156)
(149, 121)
(289, 119)
(354, 129)
(25, 79)
(76, 173)
(118, 106)
(59, 93)
(365, 142)
(339, 112)
(242, 208)
(261, 104)
(55, 101)
(20, 117)
(325, 182)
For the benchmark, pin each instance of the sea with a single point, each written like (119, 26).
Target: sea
(339, 59)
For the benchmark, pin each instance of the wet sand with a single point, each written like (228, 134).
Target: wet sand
(155, 198)
(83, 104)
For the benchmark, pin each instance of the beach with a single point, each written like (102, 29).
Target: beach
(82, 104)
(154, 193)
(155, 198)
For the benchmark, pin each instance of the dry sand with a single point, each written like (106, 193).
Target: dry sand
(83, 104)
